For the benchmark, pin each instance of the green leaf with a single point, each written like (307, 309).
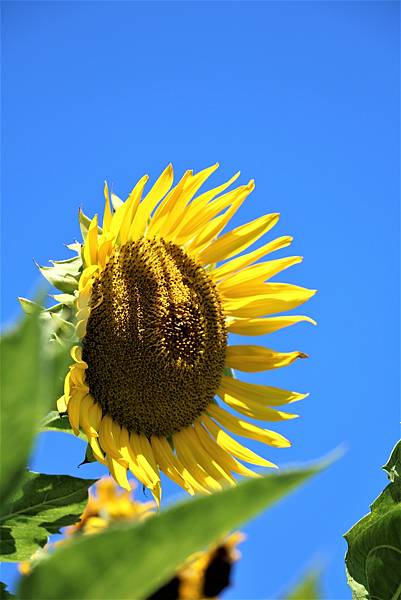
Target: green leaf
(4, 593)
(43, 505)
(136, 559)
(32, 370)
(24, 370)
(373, 559)
(307, 588)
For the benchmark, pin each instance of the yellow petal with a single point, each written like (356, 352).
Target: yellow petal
(233, 242)
(238, 284)
(244, 260)
(86, 276)
(91, 417)
(210, 231)
(252, 409)
(207, 462)
(97, 451)
(107, 216)
(106, 438)
(258, 358)
(232, 446)
(189, 461)
(151, 200)
(130, 457)
(145, 457)
(205, 214)
(76, 355)
(213, 229)
(73, 408)
(193, 217)
(244, 428)
(169, 463)
(263, 326)
(159, 218)
(213, 449)
(119, 472)
(106, 246)
(132, 204)
(224, 457)
(90, 245)
(277, 297)
(190, 188)
(61, 405)
(263, 394)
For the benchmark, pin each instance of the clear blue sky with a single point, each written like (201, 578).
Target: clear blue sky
(304, 98)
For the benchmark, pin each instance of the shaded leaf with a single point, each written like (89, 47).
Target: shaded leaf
(43, 505)
(373, 559)
(150, 552)
(4, 593)
(53, 421)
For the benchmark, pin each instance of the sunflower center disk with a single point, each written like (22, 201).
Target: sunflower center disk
(155, 340)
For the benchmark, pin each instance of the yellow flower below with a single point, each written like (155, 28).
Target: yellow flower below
(160, 289)
(204, 574)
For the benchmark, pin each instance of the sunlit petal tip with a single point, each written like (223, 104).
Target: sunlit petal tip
(61, 405)
(251, 185)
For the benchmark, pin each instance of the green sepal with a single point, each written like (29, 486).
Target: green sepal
(64, 299)
(29, 306)
(63, 275)
(89, 456)
(84, 223)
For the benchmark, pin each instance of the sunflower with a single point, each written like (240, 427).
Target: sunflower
(158, 290)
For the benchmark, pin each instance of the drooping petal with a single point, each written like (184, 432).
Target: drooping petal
(263, 326)
(263, 394)
(233, 242)
(191, 186)
(194, 215)
(233, 447)
(252, 409)
(244, 428)
(269, 299)
(257, 358)
(235, 264)
(205, 460)
(205, 214)
(189, 461)
(238, 284)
